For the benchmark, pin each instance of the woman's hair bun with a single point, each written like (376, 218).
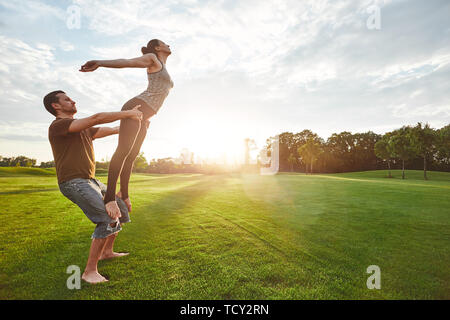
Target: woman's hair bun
(150, 48)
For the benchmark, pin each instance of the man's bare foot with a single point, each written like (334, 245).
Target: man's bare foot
(93, 277)
(113, 209)
(113, 255)
(127, 200)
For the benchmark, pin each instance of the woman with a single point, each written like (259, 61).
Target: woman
(132, 132)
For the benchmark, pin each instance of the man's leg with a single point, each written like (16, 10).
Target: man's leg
(87, 194)
(91, 274)
(108, 249)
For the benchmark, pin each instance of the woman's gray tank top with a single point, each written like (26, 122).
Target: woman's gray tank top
(159, 85)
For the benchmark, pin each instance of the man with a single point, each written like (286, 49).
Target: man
(73, 152)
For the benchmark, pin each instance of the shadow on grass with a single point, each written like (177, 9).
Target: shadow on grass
(173, 202)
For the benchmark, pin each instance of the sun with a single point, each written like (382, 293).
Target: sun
(214, 141)
(218, 147)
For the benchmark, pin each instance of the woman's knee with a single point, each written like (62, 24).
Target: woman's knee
(129, 130)
(130, 126)
(132, 156)
(121, 153)
(137, 144)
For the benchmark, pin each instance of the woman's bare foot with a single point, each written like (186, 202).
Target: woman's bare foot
(128, 203)
(93, 277)
(113, 209)
(127, 200)
(113, 255)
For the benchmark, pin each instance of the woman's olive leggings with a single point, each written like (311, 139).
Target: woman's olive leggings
(131, 136)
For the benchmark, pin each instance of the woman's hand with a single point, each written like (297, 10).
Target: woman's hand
(90, 66)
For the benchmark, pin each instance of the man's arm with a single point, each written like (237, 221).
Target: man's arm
(105, 131)
(104, 117)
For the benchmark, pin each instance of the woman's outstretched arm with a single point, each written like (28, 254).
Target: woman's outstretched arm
(145, 61)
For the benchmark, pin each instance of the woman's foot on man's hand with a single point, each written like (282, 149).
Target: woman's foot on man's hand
(127, 200)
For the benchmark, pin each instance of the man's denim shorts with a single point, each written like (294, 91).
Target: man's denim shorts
(88, 195)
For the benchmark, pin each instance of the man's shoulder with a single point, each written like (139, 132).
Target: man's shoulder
(61, 120)
(59, 126)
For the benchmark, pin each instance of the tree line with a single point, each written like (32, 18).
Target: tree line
(418, 147)
(412, 147)
(170, 165)
(20, 161)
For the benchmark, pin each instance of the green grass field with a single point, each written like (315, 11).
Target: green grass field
(289, 236)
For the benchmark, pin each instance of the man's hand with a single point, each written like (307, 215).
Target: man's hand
(104, 117)
(135, 113)
(113, 210)
(90, 66)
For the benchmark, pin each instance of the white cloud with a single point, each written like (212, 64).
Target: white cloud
(22, 128)
(66, 46)
(34, 10)
(242, 35)
(30, 65)
(37, 72)
(406, 111)
(393, 75)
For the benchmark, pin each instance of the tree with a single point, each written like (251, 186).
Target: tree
(4, 162)
(425, 141)
(363, 153)
(292, 160)
(140, 164)
(286, 141)
(20, 161)
(402, 147)
(48, 164)
(340, 146)
(302, 138)
(289, 143)
(165, 165)
(443, 144)
(384, 152)
(310, 151)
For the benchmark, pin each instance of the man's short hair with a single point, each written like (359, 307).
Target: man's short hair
(51, 98)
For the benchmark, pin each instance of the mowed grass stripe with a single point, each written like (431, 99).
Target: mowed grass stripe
(398, 183)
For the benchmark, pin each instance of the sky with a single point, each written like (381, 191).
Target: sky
(241, 69)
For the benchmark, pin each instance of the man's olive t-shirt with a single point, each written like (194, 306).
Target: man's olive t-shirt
(73, 151)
